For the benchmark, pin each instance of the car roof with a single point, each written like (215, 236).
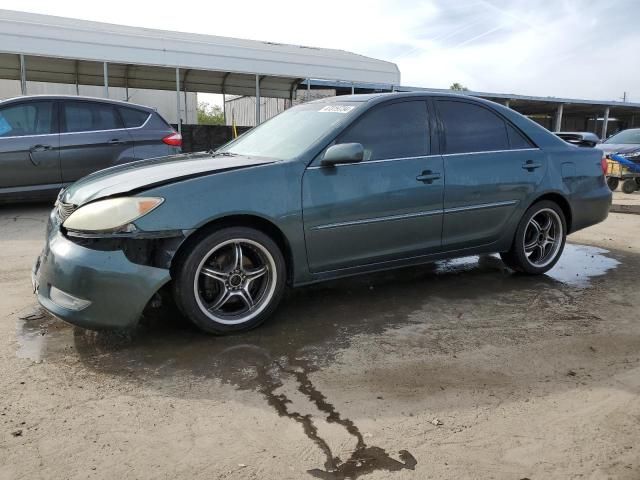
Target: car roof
(383, 96)
(75, 97)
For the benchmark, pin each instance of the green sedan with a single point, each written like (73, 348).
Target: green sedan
(327, 189)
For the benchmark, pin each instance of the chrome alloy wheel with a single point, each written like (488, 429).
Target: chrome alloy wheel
(543, 237)
(235, 281)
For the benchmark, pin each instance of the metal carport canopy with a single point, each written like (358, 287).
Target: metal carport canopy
(65, 50)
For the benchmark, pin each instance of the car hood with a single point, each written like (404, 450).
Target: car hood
(144, 174)
(618, 148)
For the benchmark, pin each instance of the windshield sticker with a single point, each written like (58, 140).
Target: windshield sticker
(337, 108)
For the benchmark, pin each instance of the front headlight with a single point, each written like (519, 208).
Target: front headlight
(111, 215)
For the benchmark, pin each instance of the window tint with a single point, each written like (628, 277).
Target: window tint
(33, 118)
(517, 139)
(133, 118)
(471, 128)
(88, 116)
(392, 131)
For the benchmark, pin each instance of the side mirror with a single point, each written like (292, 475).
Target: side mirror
(343, 153)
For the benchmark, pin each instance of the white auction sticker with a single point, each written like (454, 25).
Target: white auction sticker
(337, 108)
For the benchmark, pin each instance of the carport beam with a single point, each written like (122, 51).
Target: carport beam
(23, 76)
(105, 73)
(557, 126)
(178, 100)
(257, 100)
(605, 123)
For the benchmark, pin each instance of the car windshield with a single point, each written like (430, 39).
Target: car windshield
(292, 132)
(627, 137)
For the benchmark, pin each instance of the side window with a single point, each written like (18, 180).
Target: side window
(471, 128)
(516, 139)
(90, 116)
(391, 131)
(133, 118)
(32, 118)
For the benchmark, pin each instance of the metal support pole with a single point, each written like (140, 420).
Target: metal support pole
(186, 105)
(105, 73)
(308, 90)
(257, 100)
(507, 103)
(178, 100)
(605, 123)
(23, 76)
(224, 107)
(353, 89)
(77, 81)
(557, 126)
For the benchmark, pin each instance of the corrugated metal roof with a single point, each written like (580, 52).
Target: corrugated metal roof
(57, 48)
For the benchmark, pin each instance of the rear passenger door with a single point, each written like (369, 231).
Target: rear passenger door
(29, 147)
(93, 137)
(491, 170)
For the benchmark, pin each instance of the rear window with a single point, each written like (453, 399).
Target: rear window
(132, 117)
(517, 139)
(471, 128)
(90, 116)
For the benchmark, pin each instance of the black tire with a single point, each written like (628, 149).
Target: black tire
(629, 185)
(612, 183)
(517, 258)
(196, 292)
(637, 179)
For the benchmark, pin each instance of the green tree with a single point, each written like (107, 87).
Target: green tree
(458, 87)
(210, 114)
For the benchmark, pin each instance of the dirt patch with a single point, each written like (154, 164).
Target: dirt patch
(455, 370)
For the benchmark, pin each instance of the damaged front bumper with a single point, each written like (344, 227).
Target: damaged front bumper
(99, 284)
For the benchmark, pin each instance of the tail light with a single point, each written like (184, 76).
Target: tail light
(604, 164)
(175, 139)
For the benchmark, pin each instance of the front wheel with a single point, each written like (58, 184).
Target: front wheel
(612, 183)
(539, 239)
(230, 280)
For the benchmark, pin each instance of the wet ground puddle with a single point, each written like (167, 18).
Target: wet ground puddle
(311, 326)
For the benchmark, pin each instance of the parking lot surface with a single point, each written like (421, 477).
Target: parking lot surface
(459, 369)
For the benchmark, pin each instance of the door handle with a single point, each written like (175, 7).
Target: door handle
(531, 165)
(36, 149)
(428, 176)
(115, 141)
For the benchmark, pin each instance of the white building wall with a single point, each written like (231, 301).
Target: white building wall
(243, 109)
(163, 101)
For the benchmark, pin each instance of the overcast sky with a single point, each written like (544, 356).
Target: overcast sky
(566, 48)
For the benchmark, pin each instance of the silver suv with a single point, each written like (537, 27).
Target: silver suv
(47, 142)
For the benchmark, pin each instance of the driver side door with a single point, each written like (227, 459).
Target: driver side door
(385, 208)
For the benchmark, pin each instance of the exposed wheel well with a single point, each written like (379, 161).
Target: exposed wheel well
(251, 221)
(562, 203)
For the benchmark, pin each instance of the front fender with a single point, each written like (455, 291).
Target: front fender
(270, 192)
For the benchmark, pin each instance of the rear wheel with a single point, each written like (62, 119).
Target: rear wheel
(539, 239)
(613, 183)
(629, 185)
(231, 280)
